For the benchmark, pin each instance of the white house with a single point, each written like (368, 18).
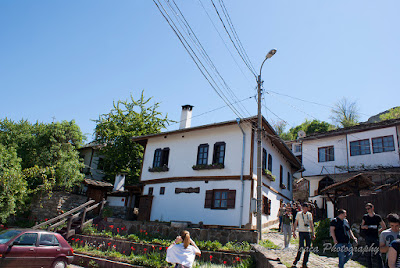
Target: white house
(370, 148)
(196, 174)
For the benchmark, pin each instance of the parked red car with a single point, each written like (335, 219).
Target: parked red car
(34, 249)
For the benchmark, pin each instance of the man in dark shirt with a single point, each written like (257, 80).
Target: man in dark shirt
(373, 225)
(394, 254)
(341, 232)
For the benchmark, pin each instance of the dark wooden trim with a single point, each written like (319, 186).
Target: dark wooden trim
(326, 147)
(203, 178)
(275, 191)
(144, 153)
(203, 145)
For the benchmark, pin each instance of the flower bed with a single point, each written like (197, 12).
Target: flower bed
(143, 237)
(118, 247)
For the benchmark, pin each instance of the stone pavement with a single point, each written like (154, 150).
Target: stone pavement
(287, 256)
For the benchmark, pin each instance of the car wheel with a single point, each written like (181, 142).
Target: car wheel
(59, 264)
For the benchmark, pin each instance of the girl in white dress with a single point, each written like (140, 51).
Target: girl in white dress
(182, 251)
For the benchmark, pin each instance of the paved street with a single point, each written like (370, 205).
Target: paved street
(287, 256)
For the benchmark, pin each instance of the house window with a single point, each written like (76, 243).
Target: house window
(161, 157)
(220, 199)
(326, 154)
(202, 154)
(360, 147)
(150, 191)
(281, 177)
(269, 162)
(383, 144)
(288, 181)
(297, 148)
(266, 206)
(219, 153)
(264, 159)
(162, 190)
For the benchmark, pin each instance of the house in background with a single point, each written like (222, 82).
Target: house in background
(208, 173)
(370, 149)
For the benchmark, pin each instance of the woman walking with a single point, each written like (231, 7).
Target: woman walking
(182, 251)
(287, 218)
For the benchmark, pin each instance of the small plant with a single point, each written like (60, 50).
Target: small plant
(93, 264)
(107, 212)
(269, 175)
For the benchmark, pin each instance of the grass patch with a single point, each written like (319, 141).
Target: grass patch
(268, 244)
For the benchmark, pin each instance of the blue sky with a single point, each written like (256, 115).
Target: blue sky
(72, 59)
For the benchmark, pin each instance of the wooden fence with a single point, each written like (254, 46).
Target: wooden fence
(384, 202)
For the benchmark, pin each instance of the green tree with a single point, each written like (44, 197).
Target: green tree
(13, 190)
(114, 131)
(393, 113)
(45, 149)
(309, 127)
(345, 113)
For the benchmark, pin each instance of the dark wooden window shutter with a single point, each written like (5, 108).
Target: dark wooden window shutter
(269, 207)
(165, 156)
(231, 198)
(209, 199)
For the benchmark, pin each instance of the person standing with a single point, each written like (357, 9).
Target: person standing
(182, 251)
(370, 224)
(287, 225)
(387, 236)
(305, 222)
(394, 254)
(341, 233)
(280, 214)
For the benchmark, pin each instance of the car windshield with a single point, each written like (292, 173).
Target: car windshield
(7, 235)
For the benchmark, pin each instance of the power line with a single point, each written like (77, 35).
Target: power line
(200, 47)
(194, 57)
(230, 37)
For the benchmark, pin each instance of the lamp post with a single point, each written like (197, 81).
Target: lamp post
(259, 128)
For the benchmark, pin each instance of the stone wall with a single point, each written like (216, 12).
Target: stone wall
(45, 207)
(165, 230)
(265, 258)
(119, 212)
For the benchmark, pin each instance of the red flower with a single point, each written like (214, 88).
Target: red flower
(237, 258)
(77, 239)
(118, 230)
(145, 249)
(109, 243)
(146, 233)
(81, 241)
(166, 247)
(123, 251)
(153, 246)
(114, 246)
(160, 248)
(46, 219)
(111, 226)
(158, 230)
(224, 262)
(211, 257)
(72, 239)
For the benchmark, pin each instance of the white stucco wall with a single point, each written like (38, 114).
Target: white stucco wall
(116, 201)
(190, 206)
(183, 152)
(310, 156)
(91, 160)
(342, 153)
(278, 159)
(314, 187)
(378, 159)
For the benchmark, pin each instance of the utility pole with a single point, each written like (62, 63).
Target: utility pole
(259, 171)
(259, 130)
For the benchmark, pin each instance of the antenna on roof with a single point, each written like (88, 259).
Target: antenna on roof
(301, 134)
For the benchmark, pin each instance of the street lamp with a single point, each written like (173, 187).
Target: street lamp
(259, 128)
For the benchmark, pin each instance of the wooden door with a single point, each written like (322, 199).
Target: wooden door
(145, 207)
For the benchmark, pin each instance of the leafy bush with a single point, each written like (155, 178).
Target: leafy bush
(209, 245)
(322, 235)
